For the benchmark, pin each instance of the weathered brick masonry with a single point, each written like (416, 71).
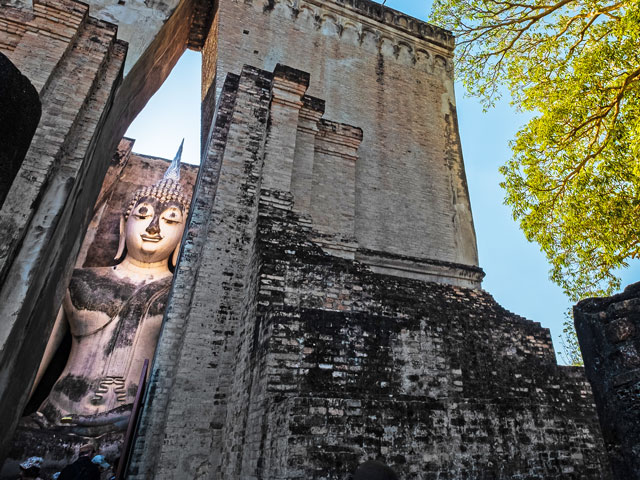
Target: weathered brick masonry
(280, 360)
(212, 293)
(392, 76)
(609, 334)
(438, 381)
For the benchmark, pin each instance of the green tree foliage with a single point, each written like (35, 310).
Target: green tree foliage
(573, 182)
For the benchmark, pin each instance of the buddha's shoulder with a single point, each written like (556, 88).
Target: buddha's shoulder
(97, 275)
(95, 270)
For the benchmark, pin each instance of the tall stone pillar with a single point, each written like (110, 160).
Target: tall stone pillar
(286, 103)
(302, 180)
(609, 334)
(182, 432)
(334, 178)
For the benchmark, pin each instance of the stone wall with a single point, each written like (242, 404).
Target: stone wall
(75, 63)
(609, 334)
(20, 111)
(391, 76)
(281, 358)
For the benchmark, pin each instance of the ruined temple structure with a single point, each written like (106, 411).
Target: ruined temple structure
(326, 308)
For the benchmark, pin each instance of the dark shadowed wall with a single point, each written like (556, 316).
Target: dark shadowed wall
(609, 334)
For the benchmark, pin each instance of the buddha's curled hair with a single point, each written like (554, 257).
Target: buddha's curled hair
(166, 190)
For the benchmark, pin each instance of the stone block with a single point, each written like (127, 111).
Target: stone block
(607, 330)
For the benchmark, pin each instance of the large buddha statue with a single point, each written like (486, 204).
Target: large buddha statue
(115, 315)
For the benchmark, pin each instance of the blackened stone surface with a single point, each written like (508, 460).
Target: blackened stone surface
(609, 334)
(372, 470)
(436, 381)
(20, 111)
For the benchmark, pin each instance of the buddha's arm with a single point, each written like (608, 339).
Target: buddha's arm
(57, 335)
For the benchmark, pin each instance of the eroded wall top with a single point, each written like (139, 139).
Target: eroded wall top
(138, 21)
(399, 20)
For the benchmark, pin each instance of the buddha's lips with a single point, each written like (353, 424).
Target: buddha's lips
(148, 238)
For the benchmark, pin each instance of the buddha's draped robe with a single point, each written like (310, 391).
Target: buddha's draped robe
(115, 326)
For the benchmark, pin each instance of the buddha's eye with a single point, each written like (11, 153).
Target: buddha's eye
(171, 218)
(142, 213)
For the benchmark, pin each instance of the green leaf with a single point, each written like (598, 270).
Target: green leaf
(573, 182)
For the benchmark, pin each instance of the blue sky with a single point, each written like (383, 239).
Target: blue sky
(517, 272)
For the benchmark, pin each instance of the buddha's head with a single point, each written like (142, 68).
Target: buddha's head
(151, 227)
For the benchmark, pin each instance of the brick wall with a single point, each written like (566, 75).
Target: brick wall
(280, 360)
(36, 40)
(333, 179)
(436, 381)
(391, 76)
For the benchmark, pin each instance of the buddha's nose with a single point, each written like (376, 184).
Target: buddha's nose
(154, 226)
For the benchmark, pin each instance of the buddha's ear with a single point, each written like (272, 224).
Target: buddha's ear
(121, 242)
(176, 253)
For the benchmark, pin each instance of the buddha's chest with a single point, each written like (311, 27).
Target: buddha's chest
(96, 298)
(97, 290)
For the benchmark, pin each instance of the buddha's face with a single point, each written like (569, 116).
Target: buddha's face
(153, 230)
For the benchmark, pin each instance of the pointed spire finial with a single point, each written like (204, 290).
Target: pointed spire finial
(173, 172)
